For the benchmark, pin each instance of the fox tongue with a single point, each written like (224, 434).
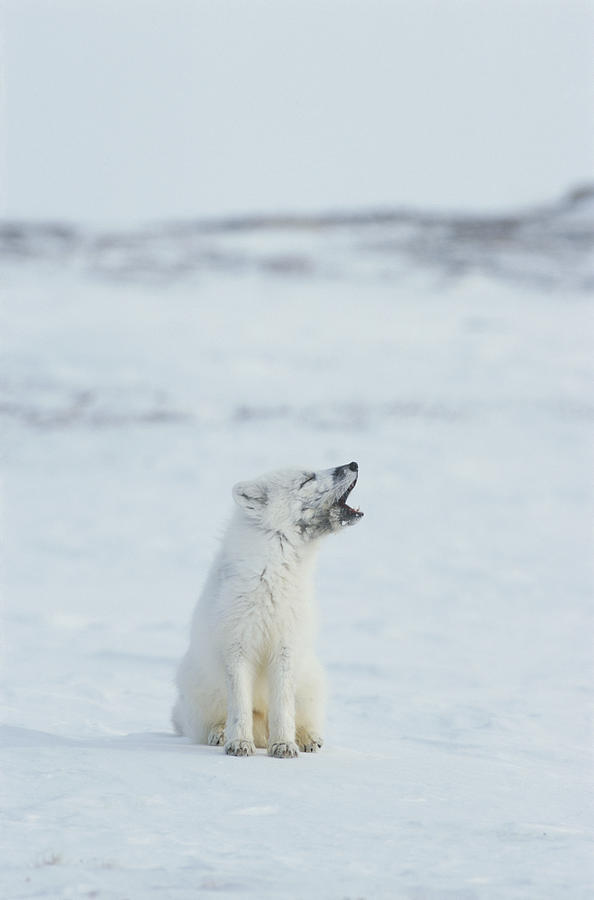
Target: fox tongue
(350, 510)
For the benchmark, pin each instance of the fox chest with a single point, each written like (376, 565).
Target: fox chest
(273, 613)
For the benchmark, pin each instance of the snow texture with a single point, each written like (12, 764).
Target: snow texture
(142, 376)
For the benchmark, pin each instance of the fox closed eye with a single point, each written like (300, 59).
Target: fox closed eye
(309, 478)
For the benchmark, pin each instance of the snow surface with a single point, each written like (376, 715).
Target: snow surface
(456, 618)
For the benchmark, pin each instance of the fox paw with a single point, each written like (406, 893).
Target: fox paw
(283, 749)
(240, 748)
(309, 742)
(216, 735)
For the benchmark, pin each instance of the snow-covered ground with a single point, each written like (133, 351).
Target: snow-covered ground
(456, 618)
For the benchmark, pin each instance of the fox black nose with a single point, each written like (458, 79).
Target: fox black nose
(340, 471)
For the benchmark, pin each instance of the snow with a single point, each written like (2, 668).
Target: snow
(455, 618)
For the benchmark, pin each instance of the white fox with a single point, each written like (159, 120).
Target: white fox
(250, 677)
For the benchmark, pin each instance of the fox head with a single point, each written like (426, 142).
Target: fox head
(300, 504)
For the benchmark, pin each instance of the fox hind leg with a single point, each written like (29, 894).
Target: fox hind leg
(260, 729)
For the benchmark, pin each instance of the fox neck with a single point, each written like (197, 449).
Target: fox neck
(276, 550)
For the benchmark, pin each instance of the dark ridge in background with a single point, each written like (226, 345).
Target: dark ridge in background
(550, 248)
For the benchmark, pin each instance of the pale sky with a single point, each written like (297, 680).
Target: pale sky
(122, 111)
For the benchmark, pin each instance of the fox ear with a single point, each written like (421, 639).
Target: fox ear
(250, 495)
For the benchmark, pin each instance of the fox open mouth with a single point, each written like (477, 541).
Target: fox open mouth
(348, 513)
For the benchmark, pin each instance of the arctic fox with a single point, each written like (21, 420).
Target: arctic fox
(250, 677)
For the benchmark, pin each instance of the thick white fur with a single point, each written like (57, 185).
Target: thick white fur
(250, 677)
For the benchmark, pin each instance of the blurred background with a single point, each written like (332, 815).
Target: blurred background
(238, 236)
